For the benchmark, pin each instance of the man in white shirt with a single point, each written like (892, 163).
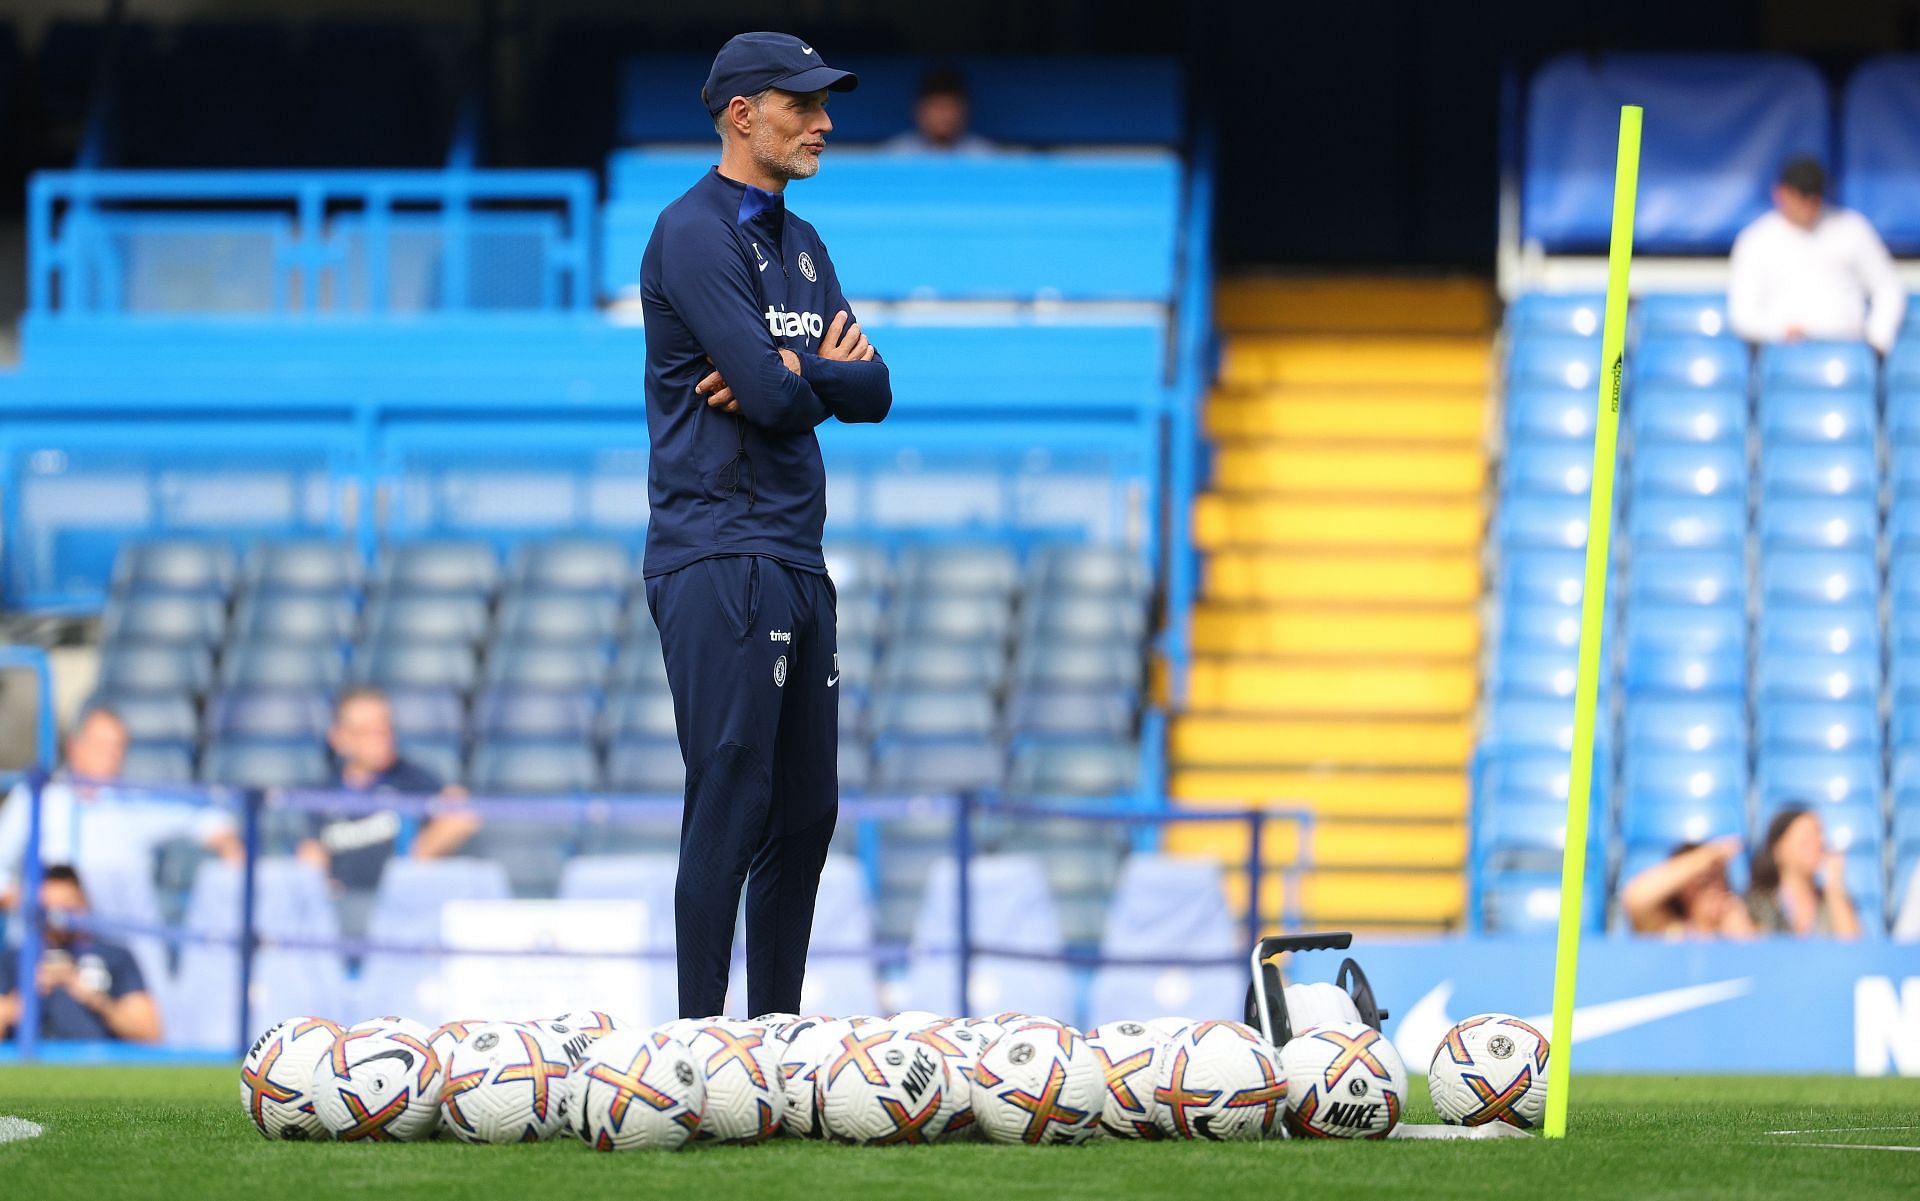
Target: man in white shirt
(85, 821)
(1809, 270)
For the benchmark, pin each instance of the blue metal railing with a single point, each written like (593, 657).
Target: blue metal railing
(1194, 355)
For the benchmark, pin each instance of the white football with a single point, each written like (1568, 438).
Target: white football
(574, 1030)
(746, 1094)
(377, 1087)
(960, 1045)
(1166, 1029)
(276, 1079)
(882, 1088)
(1220, 1081)
(506, 1082)
(915, 1019)
(1130, 1061)
(806, 1045)
(1039, 1083)
(396, 1025)
(637, 1090)
(1490, 1068)
(1344, 1080)
(683, 1029)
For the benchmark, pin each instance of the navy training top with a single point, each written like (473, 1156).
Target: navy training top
(358, 845)
(102, 967)
(730, 275)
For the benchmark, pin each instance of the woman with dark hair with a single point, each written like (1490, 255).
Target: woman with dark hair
(1687, 894)
(1786, 896)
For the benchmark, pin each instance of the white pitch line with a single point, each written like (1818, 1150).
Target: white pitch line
(1842, 1129)
(1856, 1147)
(13, 1130)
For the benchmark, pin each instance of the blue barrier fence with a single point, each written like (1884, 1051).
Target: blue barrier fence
(965, 813)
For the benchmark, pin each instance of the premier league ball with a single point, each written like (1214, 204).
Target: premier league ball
(637, 1090)
(506, 1082)
(882, 1087)
(276, 1080)
(960, 1045)
(1344, 1080)
(377, 1087)
(1490, 1068)
(1130, 1061)
(746, 1094)
(805, 1048)
(1038, 1083)
(573, 1031)
(1220, 1081)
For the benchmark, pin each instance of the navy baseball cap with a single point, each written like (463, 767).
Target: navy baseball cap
(750, 63)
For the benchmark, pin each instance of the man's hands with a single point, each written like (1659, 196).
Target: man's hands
(844, 341)
(719, 396)
(56, 973)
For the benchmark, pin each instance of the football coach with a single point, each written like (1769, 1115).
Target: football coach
(750, 345)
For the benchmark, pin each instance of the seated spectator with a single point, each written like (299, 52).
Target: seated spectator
(89, 990)
(1810, 270)
(940, 119)
(352, 848)
(99, 829)
(1687, 895)
(1786, 896)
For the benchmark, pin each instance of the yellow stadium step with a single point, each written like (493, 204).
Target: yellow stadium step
(1336, 577)
(1356, 303)
(1322, 470)
(1358, 414)
(1422, 360)
(1222, 741)
(1329, 844)
(1223, 521)
(1280, 686)
(1323, 631)
(1339, 898)
(1339, 792)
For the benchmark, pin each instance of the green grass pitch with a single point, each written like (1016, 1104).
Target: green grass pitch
(179, 1132)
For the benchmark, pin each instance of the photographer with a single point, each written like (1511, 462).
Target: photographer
(89, 990)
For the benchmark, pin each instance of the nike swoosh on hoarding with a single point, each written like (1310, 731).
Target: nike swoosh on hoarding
(1427, 1022)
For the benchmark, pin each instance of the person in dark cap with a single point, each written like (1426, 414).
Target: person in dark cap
(940, 117)
(750, 345)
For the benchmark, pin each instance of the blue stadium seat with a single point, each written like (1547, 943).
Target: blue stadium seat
(1816, 726)
(1664, 824)
(570, 565)
(1553, 361)
(858, 617)
(291, 902)
(504, 713)
(250, 763)
(1539, 413)
(429, 714)
(1687, 577)
(1547, 576)
(935, 714)
(1818, 778)
(1904, 467)
(524, 766)
(295, 617)
(1665, 413)
(1905, 670)
(1521, 724)
(1576, 313)
(1689, 470)
(1699, 362)
(1819, 577)
(1546, 468)
(1879, 149)
(1168, 908)
(1903, 367)
(1528, 903)
(946, 766)
(267, 664)
(1903, 397)
(1904, 630)
(858, 568)
(1540, 674)
(1080, 666)
(1819, 629)
(1903, 529)
(406, 912)
(159, 764)
(1542, 523)
(1687, 523)
(427, 617)
(439, 566)
(930, 616)
(1707, 725)
(1817, 677)
(1090, 769)
(640, 663)
(981, 665)
(1818, 470)
(1820, 523)
(1011, 908)
(153, 717)
(293, 715)
(1082, 617)
(417, 665)
(1694, 781)
(538, 665)
(327, 566)
(157, 617)
(1848, 366)
(949, 569)
(1527, 837)
(175, 565)
(638, 626)
(649, 879)
(841, 977)
(533, 852)
(1035, 713)
(1677, 673)
(1681, 314)
(1818, 415)
(591, 617)
(855, 764)
(646, 763)
(1903, 581)
(1509, 779)
(1525, 627)
(173, 669)
(1088, 570)
(640, 711)
(1686, 629)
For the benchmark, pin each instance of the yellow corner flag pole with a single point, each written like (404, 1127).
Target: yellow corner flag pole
(1593, 610)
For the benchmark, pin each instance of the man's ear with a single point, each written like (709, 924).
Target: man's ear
(740, 114)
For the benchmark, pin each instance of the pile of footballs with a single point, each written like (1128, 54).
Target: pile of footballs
(914, 1078)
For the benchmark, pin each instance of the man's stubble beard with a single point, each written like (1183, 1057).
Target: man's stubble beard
(797, 165)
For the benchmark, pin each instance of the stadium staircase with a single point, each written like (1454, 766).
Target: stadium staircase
(1337, 635)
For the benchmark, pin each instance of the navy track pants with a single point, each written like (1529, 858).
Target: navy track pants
(751, 659)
